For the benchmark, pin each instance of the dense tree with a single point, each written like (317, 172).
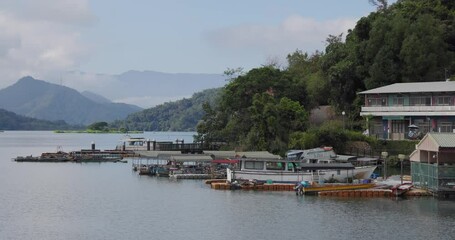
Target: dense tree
(310, 82)
(409, 41)
(257, 111)
(98, 126)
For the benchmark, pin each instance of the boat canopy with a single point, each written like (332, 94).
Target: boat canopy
(345, 158)
(267, 160)
(324, 166)
(258, 154)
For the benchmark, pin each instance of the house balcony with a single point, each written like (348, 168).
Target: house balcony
(408, 111)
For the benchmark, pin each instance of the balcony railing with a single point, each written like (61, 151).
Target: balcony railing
(410, 109)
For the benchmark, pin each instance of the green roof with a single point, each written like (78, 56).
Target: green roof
(414, 87)
(444, 140)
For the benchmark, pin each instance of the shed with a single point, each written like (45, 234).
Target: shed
(433, 164)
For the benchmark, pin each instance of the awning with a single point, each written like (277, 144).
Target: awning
(191, 158)
(345, 158)
(324, 166)
(393, 117)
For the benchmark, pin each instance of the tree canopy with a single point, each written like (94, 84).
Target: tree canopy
(267, 108)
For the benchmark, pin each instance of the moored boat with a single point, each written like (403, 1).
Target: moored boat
(317, 165)
(133, 144)
(401, 189)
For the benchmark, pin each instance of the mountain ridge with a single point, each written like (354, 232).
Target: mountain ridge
(43, 100)
(144, 88)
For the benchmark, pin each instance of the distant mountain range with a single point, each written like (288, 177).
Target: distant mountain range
(143, 88)
(12, 121)
(43, 100)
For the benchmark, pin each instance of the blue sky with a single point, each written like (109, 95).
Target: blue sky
(45, 38)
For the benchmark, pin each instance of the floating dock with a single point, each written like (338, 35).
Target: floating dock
(373, 193)
(260, 187)
(191, 176)
(222, 184)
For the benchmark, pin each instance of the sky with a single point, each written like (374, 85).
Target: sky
(46, 38)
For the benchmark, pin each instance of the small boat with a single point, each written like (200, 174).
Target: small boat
(144, 170)
(401, 189)
(162, 171)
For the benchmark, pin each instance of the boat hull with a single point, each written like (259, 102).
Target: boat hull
(363, 172)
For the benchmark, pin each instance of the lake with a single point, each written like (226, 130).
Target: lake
(110, 201)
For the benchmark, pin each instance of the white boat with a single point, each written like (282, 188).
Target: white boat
(317, 164)
(133, 144)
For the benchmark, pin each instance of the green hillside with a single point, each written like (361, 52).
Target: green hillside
(181, 115)
(39, 99)
(12, 121)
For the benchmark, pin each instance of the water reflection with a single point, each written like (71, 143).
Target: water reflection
(110, 201)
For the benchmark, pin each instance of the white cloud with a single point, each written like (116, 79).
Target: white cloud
(38, 37)
(295, 32)
(73, 12)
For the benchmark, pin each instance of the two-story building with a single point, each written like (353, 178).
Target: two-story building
(409, 110)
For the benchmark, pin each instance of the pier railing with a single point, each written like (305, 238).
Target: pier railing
(361, 152)
(187, 147)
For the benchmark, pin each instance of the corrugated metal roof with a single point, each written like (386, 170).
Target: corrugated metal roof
(213, 154)
(221, 154)
(191, 158)
(414, 88)
(156, 154)
(444, 140)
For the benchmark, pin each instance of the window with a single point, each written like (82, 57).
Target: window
(443, 101)
(275, 166)
(423, 124)
(445, 127)
(254, 165)
(292, 167)
(397, 126)
(398, 101)
(420, 101)
(376, 101)
(377, 129)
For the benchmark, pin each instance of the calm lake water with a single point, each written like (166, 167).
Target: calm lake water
(110, 201)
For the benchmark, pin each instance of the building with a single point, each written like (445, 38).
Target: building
(409, 110)
(433, 164)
